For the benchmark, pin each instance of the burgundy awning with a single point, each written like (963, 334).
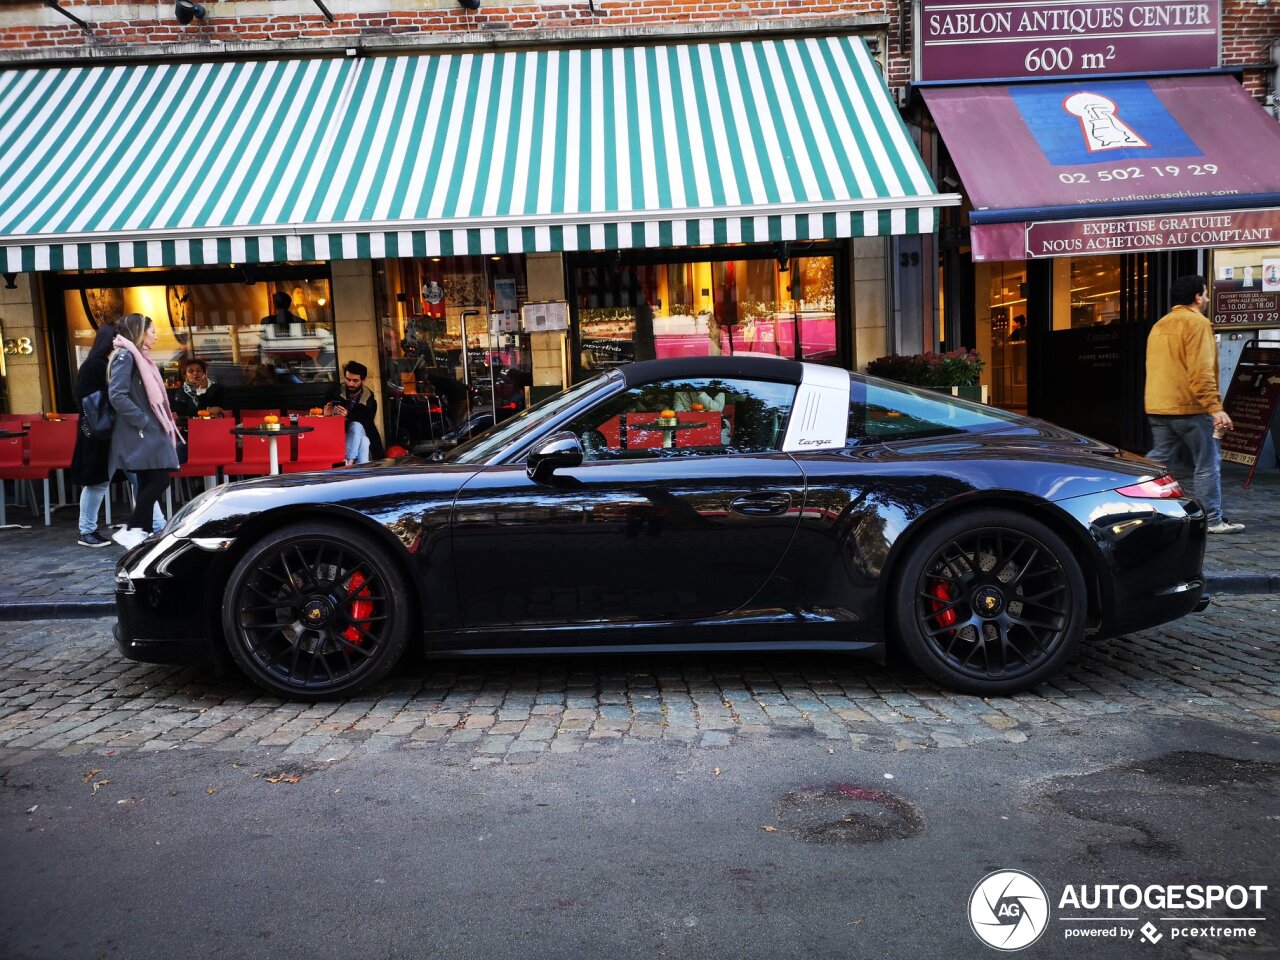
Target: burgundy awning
(1109, 166)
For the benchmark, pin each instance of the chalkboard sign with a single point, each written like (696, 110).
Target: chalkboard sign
(1251, 403)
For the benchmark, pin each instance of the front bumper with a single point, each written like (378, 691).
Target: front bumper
(1152, 558)
(162, 614)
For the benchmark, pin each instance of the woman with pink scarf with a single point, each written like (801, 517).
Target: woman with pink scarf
(144, 439)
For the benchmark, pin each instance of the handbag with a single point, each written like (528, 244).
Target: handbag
(97, 416)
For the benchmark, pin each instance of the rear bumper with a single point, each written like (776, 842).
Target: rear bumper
(1150, 558)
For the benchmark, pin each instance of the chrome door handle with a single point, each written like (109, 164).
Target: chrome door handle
(761, 504)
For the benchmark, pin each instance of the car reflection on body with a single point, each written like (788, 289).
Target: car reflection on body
(694, 504)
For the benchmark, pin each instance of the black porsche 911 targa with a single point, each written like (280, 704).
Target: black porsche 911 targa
(719, 503)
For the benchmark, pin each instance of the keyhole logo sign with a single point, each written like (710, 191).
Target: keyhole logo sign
(1102, 127)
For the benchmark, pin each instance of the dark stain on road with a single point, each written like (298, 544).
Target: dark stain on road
(1190, 769)
(1116, 803)
(847, 813)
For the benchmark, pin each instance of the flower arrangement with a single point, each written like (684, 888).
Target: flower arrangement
(956, 368)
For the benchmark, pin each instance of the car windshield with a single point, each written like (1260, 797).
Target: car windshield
(880, 412)
(495, 439)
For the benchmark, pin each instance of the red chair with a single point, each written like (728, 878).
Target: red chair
(324, 447)
(11, 458)
(256, 415)
(210, 446)
(255, 454)
(51, 444)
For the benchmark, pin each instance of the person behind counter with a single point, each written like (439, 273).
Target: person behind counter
(197, 392)
(355, 401)
(282, 318)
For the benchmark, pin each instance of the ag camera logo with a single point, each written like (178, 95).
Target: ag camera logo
(1008, 910)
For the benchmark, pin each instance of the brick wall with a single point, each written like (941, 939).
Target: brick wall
(28, 26)
(1248, 25)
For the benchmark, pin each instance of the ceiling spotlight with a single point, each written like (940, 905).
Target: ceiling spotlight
(469, 4)
(188, 10)
(9, 283)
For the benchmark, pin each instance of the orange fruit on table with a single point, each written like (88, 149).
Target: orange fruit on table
(696, 407)
(667, 414)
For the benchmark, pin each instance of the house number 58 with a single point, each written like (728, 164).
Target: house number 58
(18, 346)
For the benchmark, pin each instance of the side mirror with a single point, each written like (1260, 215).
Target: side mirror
(559, 451)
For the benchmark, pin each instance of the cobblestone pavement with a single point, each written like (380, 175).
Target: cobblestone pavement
(64, 688)
(54, 567)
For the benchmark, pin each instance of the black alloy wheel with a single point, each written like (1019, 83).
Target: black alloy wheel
(990, 602)
(315, 611)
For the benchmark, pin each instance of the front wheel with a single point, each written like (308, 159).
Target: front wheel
(990, 602)
(314, 611)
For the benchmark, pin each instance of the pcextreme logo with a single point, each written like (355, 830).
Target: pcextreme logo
(1010, 910)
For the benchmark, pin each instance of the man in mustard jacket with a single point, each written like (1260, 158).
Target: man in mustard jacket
(1183, 405)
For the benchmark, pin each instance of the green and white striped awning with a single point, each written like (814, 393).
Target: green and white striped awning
(434, 155)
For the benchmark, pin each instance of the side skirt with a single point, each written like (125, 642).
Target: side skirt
(857, 647)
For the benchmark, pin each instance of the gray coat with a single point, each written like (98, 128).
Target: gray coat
(138, 440)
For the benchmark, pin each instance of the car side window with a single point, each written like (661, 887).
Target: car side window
(687, 417)
(881, 412)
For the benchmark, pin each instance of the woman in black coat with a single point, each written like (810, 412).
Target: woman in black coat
(89, 460)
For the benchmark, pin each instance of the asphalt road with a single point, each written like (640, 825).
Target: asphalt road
(799, 846)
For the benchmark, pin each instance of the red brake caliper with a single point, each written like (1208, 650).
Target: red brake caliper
(942, 591)
(361, 610)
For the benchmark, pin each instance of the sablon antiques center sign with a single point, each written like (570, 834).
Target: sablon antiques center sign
(964, 40)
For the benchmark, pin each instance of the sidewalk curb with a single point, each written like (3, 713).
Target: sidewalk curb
(87, 608)
(1234, 581)
(79, 608)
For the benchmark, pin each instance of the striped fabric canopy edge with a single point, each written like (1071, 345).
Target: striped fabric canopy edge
(583, 149)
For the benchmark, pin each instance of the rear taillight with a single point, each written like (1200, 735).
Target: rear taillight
(1161, 488)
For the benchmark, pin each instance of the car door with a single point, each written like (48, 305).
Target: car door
(682, 508)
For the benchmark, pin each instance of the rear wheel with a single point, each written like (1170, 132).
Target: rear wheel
(315, 611)
(990, 602)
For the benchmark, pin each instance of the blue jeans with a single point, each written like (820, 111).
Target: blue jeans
(1195, 433)
(357, 443)
(90, 503)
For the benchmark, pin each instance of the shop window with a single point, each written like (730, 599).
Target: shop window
(450, 341)
(1086, 292)
(1001, 310)
(687, 418)
(643, 311)
(268, 342)
(1246, 289)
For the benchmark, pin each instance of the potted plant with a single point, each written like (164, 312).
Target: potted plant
(956, 372)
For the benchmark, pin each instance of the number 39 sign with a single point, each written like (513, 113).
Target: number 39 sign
(963, 40)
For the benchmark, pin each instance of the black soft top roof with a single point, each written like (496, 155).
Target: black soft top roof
(754, 367)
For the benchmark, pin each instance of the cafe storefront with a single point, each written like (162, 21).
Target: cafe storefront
(475, 226)
(1090, 183)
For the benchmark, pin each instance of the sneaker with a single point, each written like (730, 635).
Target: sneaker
(1225, 526)
(129, 537)
(93, 539)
